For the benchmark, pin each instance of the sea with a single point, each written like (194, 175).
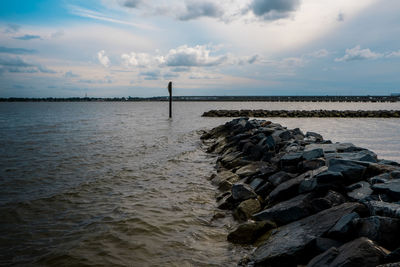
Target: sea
(121, 184)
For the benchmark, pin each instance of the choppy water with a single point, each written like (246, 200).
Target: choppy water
(120, 184)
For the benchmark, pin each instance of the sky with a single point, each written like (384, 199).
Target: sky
(121, 48)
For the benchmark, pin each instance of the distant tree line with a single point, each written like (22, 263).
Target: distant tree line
(366, 98)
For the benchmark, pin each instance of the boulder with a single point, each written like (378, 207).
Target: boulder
(291, 159)
(322, 244)
(330, 199)
(363, 155)
(226, 203)
(286, 211)
(383, 230)
(381, 208)
(241, 191)
(313, 164)
(224, 180)
(280, 177)
(352, 171)
(248, 232)
(256, 183)
(246, 209)
(291, 244)
(317, 136)
(344, 227)
(334, 148)
(251, 169)
(359, 252)
(322, 181)
(313, 154)
(393, 256)
(360, 191)
(391, 188)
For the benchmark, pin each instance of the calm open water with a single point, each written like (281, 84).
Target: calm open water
(101, 184)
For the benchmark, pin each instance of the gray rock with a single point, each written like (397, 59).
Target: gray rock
(344, 226)
(248, 232)
(286, 211)
(391, 188)
(313, 164)
(251, 169)
(359, 252)
(264, 189)
(226, 202)
(383, 230)
(317, 136)
(291, 159)
(290, 244)
(322, 244)
(224, 180)
(361, 155)
(324, 180)
(313, 154)
(386, 209)
(352, 171)
(290, 188)
(256, 183)
(361, 191)
(280, 177)
(334, 148)
(246, 209)
(330, 200)
(242, 192)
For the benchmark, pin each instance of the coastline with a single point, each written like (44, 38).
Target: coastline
(302, 199)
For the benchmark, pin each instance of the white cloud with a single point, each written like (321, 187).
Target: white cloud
(393, 54)
(356, 53)
(197, 56)
(103, 59)
(140, 59)
(319, 53)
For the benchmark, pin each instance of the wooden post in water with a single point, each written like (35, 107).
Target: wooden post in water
(170, 98)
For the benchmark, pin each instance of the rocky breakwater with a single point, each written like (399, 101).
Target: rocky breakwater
(260, 113)
(303, 200)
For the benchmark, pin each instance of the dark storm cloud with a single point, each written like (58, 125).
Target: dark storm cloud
(196, 10)
(27, 37)
(273, 9)
(18, 65)
(17, 51)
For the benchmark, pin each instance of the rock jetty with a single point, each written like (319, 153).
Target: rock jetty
(303, 200)
(261, 113)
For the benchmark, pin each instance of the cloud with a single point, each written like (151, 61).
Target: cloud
(18, 65)
(319, 53)
(340, 17)
(356, 53)
(70, 74)
(393, 54)
(273, 9)
(103, 59)
(27, 37)
(139, 59)
(57, 34)
(131, 3)
(12, 28)
(151, 75)
(197, 56)
(198, 9)
(17, 51)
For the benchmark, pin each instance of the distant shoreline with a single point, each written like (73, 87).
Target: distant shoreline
(392, 98)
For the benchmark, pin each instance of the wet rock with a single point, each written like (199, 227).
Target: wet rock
(248, 232)
(352, 171)
(395, 264)
(256, 183)
(322, 244)
(290, 188)
(224, 180)
(391, 188)
(289, 245)
(246, 209)
(381, 208)
(280, 177)
(393, 256)
(360, 191)
(322, 181)
(250, 169)
(242, 192)
(331, 199)
(363, 155)
(225, 160)
(359, 252)
(317, 136)
(291, 159)
(383, 230)
(313, 154)
(264, 189)
(313, 164)
(334, 148)
(226, 203)
(344, 227)
(286, 211)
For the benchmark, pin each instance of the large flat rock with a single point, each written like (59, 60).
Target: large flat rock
(291, 244)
